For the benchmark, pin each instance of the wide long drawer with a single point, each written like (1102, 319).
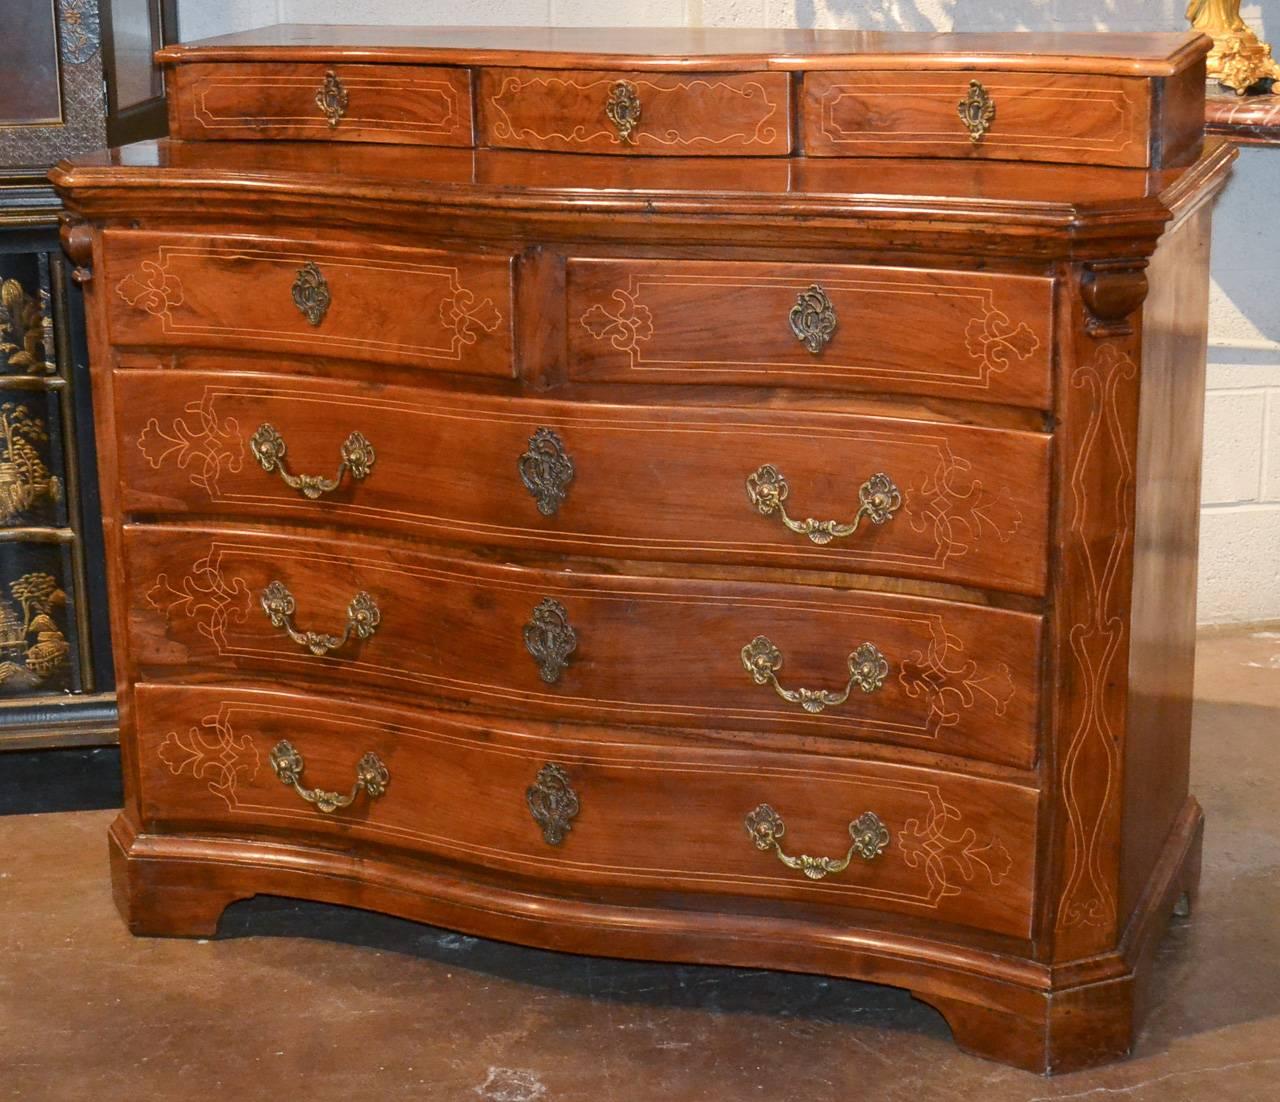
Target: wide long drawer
(977, 335)
(781, 659)
(856, 493)
(447, 311)
(580, 808)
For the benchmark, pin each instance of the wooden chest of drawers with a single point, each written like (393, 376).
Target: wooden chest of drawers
(661, 518)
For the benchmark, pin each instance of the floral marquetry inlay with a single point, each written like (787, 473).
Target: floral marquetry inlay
(152, 288)
(952, 855)
(996, 341)
(959, 510)
(626, 325)
(952, 683)
(204, 596)
(462, 314)
(213, 754)
(197, 443)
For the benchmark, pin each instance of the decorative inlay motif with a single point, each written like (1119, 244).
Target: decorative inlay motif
(553, 803)
(977, 111)
(204, 597)
(623, 108)
(33, 649)
(332, 98)
(153, 288)
(959, 509)
(869, 838)
(813, 319)
(311, 293)
(26, 330)
(868, 669)
(1091, 764)
(631, 324)
(950, 855)
(550, 639)
(24, 478)
(993, 339)
(197, 442)
(212, 753)
(740, 112)
(80, 31)
(546, 470)
(460, 312)
(951, 684)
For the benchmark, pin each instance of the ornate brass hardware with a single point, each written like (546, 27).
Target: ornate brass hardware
(553, 802)
(977, 111)
(623, 108)
(550, 639)
(868, 669)
(311, 293)
(363, 619)
(371, 777)
(813, 319)
(878, 500)
(546, 470)
(869, 838)
(269, 448)
(331, 98)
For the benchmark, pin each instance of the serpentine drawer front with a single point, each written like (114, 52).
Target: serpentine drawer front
(405, 104)
(695, 495)
(941, 676)
(873, 494)
(441, 311)
(576, 810)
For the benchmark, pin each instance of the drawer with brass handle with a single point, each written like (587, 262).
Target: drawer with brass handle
(582, 805)
(654, 114)
(402, 104)
(976, 335)
(436, 310)
(876, 495)
(938, 676)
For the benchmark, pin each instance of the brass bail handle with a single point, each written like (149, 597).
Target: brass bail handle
(868, 839)
(868, 669)
(269, 448)
(878, 500)
(363, 618)
(372, 777)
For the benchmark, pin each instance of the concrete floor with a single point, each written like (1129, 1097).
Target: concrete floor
(328, 1003)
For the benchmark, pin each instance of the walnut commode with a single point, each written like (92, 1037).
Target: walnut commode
(733, 500)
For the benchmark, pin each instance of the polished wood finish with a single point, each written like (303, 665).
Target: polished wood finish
(1017, 345)
(411, 104)
(649, 481)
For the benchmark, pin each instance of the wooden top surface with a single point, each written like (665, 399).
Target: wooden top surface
(1153, 54)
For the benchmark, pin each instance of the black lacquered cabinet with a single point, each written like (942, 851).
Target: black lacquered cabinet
(77, 76)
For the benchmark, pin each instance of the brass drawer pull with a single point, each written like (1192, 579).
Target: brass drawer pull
(813, 319)
(878, 500)
(977, 111)
(869, 838)
(550, 639)
(371, 777)
(867, 670)
(363, 619)
(331, 98)
(269, 449)
(553, 803)
(546, 470)
(311, 293)
(623, 108)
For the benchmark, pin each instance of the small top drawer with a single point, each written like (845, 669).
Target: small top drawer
(659, 114)
(1076, 118)
(405, 104)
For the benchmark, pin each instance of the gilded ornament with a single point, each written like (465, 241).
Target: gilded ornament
(623, 109)
(269, 449)
(550, 639)
(878, 500)
(363, 618)
(546, 470)
(311, 293)
(553, 803)
(977, 111)
(331, 98)
(24, 478)
(26, 330)
(1238, 60)
(813, 319)
(372, 777)
(868, 669)
(868, 835)
(33, 649)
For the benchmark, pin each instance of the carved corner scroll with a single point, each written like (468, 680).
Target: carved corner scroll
(1112, 291)
(76, 236)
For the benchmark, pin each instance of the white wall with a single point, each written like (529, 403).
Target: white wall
(1240, 530)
